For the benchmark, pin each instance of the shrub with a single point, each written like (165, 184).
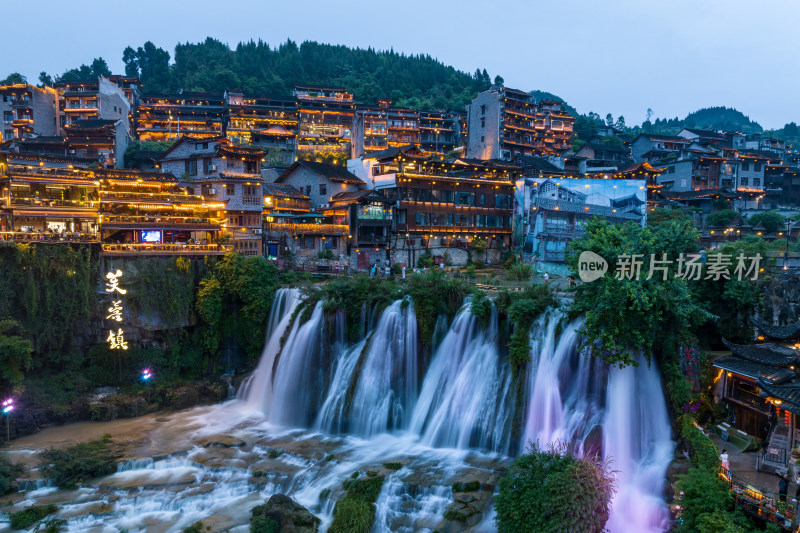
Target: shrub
(393, 466)
(352, 516)
(9, 472)
(553, 491)
(425, 260)
(722, 217)
(520, 272)
(469, 486)
(27, 517)
(262, 524)
(85, 460)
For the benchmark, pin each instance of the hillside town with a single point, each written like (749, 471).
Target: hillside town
(317, 180)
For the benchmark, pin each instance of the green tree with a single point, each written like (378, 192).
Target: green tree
(16, 352)
(661, 215)
(45, 79)
(622, 316)
(479, 246)
(13, 78)
(550, 491)
(771, 220)
(722, 217)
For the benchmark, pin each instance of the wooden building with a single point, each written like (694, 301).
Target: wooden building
(169, 117)
(325, 119)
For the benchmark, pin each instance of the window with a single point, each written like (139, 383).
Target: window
(502, 201)
(308, 190)
(423, 219)
(671, 170)
(465, 198)
(190, 166)
(757, 167)
(483, 110)
(756, 182)
(745, 166)
(323, 188)
(483, 123)
(481, 138)
(745, 182)
(401, 216)
(206, 165)
(483, 198)
(230, 189)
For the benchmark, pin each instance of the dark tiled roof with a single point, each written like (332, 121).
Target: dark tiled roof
(788, 393)
(580, 208)
(409, 151)
(90, 124)
(335, 173)
(666, 138)
(709, 134)
(764, 353)
(356, 196)
(694, 195)
(743, 367)
(283, 190)
(790, 331)
(631, 198)
(541, 164)
(603, 148)
(133, 175)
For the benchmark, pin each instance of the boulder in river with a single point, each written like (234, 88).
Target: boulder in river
(290, 516)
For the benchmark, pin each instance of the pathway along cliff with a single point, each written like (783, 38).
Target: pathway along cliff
(318, 409)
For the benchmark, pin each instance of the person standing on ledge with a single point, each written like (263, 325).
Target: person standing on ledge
(546, 278)
(723, 457)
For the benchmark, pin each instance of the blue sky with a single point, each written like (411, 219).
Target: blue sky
(618, 56)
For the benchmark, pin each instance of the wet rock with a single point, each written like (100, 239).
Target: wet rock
(184, 397)
(466, 514)
(289, 515)
(225, 441)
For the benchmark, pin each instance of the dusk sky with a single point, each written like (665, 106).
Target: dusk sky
(621, 56)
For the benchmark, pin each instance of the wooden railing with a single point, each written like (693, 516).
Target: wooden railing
(19, 236)
(168, 249)
(310, 229)
(760, 503)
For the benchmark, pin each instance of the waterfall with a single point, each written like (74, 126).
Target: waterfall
(380, 377)
(258, 387)
(464, 397)
(636, 439)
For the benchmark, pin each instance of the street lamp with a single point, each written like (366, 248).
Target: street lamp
(146, 377)
(8, 406)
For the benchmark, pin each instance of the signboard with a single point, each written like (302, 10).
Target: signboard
(116, 336)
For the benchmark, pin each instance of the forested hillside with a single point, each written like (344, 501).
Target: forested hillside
(419, 81)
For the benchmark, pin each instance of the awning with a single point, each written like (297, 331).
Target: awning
(54, 213)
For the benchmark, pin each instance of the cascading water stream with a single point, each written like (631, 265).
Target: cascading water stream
(387, 404)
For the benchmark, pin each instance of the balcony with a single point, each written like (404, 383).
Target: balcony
(20, 236)
(748, 398)
(561, 230)
(52, 202)
(21, 103)
(150, 198)
(309, 229)
(167, 249)
(159, 222)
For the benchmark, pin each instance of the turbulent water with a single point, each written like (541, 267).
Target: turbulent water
(333, 407)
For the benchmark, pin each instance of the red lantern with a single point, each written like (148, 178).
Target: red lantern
(778, 411)
(786, 417)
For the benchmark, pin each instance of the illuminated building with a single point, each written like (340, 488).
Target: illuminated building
(224, 174)
(504, 123)
(90, 100)
(325, 119)
(27, 110)
(155, 213)
(166, 118)
(269, 123)
(46, 199)
(439, 132)
(441, 205)
(104, 141)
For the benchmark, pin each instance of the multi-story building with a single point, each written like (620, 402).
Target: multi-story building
(378, 127)
(104, 141)
(269, 123)
(47, 199)
(439, 132)
(223, 174)
(441, 206)
(91, 99)
(759, 142)
(654, 148)
(27, 110)
(153, 212)
(325, 119)
(505, 123)
(129, 211)
(320, 181)
(166, 118)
